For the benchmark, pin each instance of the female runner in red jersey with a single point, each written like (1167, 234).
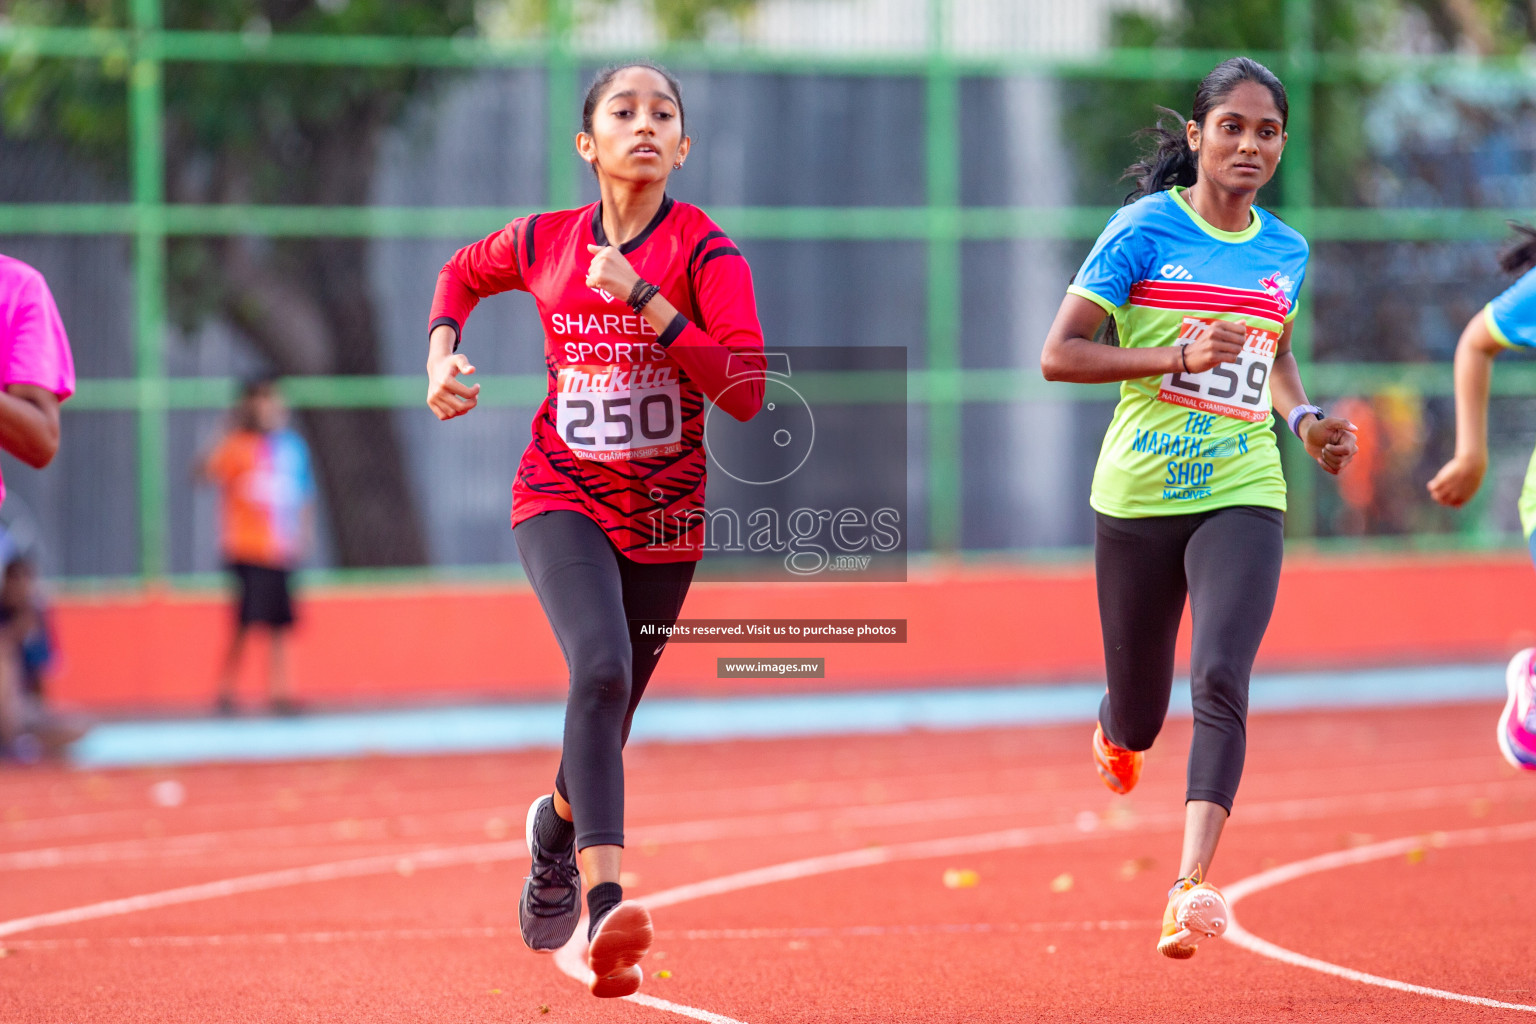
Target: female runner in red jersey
(647, 310)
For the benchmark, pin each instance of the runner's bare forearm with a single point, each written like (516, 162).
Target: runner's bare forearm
(1475, 353)
(1070, 353)
(1286, 391)
(29, 423)
(440, 344)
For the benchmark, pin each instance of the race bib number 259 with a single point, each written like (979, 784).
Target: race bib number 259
(610, 413)
(1239, 390)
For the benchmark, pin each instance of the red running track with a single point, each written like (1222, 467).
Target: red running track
(385, 890)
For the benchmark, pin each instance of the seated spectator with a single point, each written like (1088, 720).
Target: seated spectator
(29, 729)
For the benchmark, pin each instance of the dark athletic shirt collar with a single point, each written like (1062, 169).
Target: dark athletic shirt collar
(634, 243)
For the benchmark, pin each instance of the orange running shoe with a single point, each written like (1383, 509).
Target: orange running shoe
(1196, 910)
(1119, 768)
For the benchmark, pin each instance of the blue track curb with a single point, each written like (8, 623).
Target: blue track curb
(675, 720)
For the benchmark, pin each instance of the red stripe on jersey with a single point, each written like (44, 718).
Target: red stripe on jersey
(1170, 295)
(1183, 288)
(1267, 312)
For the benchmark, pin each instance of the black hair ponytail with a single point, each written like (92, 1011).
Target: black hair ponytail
(1171, 162)
(1519, 255)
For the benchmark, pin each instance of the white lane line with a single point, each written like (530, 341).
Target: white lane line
(571, 958)
(282, 838)
(827, 797)
(250, 859)
(79, 824)
(1240, 936)
(991, 841)
(791, 822)
(401, 863)
(204, 803)
(264, 938)
(1290, 810)
(1277, 811)
(923, 849)
(681, 1010)
(488, 932)
(877, 930)
(742, 826)
(264, 841)
(317, 873)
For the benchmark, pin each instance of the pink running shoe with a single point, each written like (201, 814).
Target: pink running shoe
(1517, 725)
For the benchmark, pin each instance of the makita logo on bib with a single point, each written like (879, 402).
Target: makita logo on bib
(1176, 272)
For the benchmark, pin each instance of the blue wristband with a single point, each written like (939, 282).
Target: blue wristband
(1294, 419)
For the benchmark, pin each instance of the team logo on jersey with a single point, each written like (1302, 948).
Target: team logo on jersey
(1176, 272)
(604, 293)
(1275, 286)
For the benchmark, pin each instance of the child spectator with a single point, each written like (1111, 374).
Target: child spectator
(262, 468)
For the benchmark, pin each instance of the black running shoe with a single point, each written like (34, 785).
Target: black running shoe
(551, 903)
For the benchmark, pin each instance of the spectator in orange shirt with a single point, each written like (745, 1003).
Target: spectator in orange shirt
(262, 468)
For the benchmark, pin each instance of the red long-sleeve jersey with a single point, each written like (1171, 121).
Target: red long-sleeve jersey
(620, 435)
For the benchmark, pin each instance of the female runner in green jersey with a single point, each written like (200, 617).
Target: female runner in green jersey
(1188, 492)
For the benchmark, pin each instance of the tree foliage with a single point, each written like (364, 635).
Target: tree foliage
(676, 20)
(1486, 26)
(1106, 115)
(288, 134)
(267, 134)
(1103, 116)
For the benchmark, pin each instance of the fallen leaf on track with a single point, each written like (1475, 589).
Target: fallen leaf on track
(1131, 868)
(960, 878)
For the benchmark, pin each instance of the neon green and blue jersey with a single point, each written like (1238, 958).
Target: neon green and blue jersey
(1184, 443)
(1511, 319)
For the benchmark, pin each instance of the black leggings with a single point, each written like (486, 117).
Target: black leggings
(1228, 562)
(590, 592)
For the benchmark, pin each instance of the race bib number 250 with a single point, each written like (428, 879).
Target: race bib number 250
(1239, 389)
(610, 413)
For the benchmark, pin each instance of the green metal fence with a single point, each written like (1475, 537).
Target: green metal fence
(943, 223)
